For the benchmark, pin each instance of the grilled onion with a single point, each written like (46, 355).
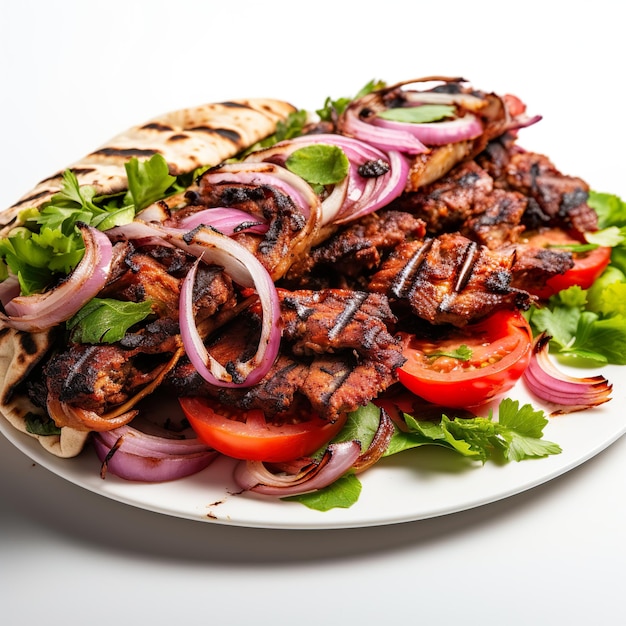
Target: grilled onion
(41, 311)
(336, 461)
(357, 194)
(135, 455)
(570, 393)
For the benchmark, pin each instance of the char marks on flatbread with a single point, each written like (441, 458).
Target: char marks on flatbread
(189, 138)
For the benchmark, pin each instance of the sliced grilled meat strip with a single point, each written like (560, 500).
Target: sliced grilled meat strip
(450, 280)
(353, 251)
(330, 320)
(337, 354)
(290, 231)
(556, 198)
(466, 200)
(99, 377)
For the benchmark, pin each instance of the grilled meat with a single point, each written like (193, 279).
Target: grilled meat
(287, 238)
(554, 197)
(354, 250)
(337, 354)
(98, 377)
(449, 280)
(466, 201)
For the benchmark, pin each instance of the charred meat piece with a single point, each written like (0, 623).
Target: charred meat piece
(555, 198)
(316, 322)
(450, 280)
(500, 221)
(354, 250)
(534, 266)
(465, 200)
(101, 376)
(287, 236)
(337, 354)
(337, 384)
(97, 377)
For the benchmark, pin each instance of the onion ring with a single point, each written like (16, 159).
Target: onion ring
(41, 311)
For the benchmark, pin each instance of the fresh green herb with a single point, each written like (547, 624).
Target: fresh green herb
(462, 353)
(319, 164)
(342, 494)
(148, 181)
(332, 109)
(581, 336)
(588, 327)
(422, 114)
(516, 435)
(41, 425)
(104, 320)
(49, 244)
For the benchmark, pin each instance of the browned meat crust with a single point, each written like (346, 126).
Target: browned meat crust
(338, 353)
(355, 250)
(450, 280)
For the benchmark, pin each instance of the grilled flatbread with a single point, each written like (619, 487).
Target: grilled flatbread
(189, 138)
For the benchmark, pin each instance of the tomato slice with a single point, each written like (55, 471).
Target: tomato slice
(498, 350)
(247, 435)
(587, 265)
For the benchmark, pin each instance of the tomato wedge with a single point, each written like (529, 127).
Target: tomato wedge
(247, 435)
(587, 265)
(470, 366)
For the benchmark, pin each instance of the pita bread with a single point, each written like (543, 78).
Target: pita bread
(189, 138)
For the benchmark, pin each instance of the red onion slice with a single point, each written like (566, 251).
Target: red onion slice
(134, 455)
(337, 460)
(245, 269)
(41, 311)
(251, 173)
(352, 125)
(437, 133)
(355, 196)
(225, 220)
(571, 393)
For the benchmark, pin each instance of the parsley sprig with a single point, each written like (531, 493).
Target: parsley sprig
(588, 327)
(516, 435)
(48, 243)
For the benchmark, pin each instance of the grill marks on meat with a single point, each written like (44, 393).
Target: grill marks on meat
(99, 377)
(356, 249)
(467, 201)
(286, 237)
(450, 280)
(337, 354)
(554, 196)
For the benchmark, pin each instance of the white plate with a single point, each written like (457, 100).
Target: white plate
(417, 484)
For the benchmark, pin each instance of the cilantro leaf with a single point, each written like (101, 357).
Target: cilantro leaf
(422, 114)
(516, 435)
(332, 109)
(343, 493)
(462, 353)
(105, 320)
(41, 425)
(148, 181)
(319, 164)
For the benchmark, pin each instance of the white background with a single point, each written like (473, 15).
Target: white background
(76, 73)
